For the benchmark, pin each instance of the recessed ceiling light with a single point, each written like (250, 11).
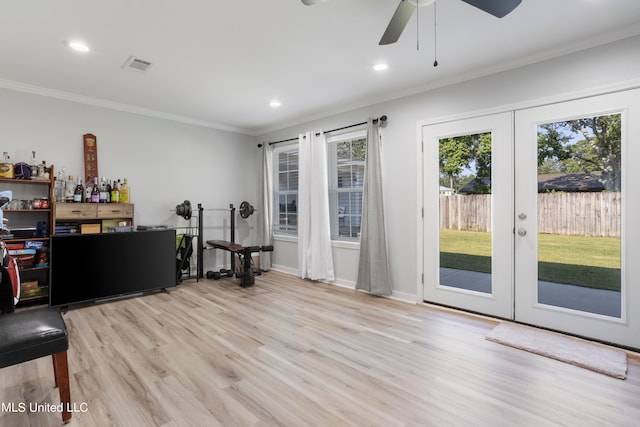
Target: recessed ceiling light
(79, 46)
(380, 67)
(275, 103)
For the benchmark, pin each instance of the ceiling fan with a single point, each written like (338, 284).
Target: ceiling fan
(406, 8)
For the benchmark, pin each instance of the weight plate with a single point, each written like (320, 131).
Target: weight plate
(246, 210)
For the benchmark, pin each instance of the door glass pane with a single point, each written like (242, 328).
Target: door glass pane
(465, 212)
(579, 214)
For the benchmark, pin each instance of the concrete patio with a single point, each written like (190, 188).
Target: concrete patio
(598, 301)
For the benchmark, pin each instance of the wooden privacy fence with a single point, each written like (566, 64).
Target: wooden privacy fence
(468, 213)
(583, 214)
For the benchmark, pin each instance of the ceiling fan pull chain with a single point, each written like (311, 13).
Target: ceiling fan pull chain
(435, 35)
(417, 26)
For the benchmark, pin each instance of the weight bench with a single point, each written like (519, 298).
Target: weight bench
(244, 270)
(31, 334)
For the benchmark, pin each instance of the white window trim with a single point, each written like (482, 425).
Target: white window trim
(346, 136)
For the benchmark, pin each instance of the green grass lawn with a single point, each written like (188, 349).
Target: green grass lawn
(593, 262)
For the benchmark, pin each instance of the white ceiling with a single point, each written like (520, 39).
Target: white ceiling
(219, 63)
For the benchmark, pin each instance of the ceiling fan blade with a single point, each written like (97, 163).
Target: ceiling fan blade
(398, 22)
(312, 2)
(497, 8)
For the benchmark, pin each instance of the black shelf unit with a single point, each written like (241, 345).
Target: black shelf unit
(26, 189)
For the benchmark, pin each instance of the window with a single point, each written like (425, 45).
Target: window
(346, 180)
(346, 160)
(286, 194)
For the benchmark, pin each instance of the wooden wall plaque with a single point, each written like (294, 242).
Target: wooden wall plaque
(90, 143)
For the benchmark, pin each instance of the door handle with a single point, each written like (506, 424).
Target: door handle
(522, 231)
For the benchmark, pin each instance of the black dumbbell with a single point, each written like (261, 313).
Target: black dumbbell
(226, 272)
(216, 275)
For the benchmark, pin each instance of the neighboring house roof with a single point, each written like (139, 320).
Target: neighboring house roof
(470, 186)
(567, 182)
(570, 182)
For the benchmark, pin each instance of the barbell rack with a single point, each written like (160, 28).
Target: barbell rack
(247, 210)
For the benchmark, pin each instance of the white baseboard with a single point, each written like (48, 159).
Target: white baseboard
(348, 284)
(284, 269)
(404, 297)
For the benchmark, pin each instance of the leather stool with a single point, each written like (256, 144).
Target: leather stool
(31, 334)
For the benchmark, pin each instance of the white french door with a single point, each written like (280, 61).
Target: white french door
(529, 215)
(476, 276)
(575, 241)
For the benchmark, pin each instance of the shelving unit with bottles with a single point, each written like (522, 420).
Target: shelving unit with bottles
(30, 225)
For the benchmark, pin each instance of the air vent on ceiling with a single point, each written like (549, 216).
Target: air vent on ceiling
(136, 64)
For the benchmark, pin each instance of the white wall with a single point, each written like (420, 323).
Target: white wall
(593, 69)
(165, 162)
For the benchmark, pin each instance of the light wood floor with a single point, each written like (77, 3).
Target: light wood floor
(289, 352)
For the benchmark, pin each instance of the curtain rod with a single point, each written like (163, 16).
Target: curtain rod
(382, 119)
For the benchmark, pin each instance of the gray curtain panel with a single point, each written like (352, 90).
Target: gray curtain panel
(373, 267)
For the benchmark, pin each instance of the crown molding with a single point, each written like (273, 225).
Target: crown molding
(96, 102)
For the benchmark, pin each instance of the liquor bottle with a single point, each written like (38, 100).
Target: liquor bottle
(124, 192)
(78, 193)
(59, 187)
(115, 192)
(95, 192)
(108, 191)
(43, 171)
(34, 165)
(69, 191)
(87, 190)
(103, 191)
